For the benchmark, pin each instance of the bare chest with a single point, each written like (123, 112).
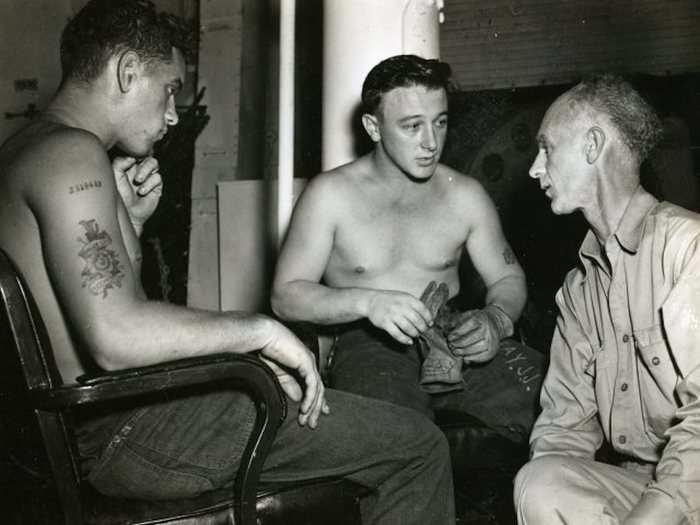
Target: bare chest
(375, 240)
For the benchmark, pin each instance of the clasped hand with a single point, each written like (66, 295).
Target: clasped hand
(295, 368)
(140, 186)
(475, 335)
(400, 314)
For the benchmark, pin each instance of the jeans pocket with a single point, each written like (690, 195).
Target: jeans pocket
(131, 473)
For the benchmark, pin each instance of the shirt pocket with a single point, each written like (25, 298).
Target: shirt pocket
(657, 378)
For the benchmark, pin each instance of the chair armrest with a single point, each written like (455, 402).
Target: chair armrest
(244, 371)
(239, 371)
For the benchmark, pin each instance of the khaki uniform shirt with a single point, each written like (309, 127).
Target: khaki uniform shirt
(625, 357)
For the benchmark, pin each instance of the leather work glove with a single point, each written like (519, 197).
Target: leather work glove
(475, 335)
(434, 297)
(441, 371)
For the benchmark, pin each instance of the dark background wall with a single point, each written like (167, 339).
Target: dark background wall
(511, 59)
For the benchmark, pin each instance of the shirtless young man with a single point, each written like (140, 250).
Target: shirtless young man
(73, 231)
(367, 237)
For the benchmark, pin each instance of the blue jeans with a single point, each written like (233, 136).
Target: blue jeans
(180, 448)
(502, 393)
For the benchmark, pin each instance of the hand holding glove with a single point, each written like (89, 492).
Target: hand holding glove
(475, 335)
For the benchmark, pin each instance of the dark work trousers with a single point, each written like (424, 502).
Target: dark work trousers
(180, 448)
(502, 393)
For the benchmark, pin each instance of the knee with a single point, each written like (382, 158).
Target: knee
(534, 485)
(433, 442)
(435, 437)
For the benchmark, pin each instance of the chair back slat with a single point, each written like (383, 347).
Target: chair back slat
(33, 440)
(30, 338)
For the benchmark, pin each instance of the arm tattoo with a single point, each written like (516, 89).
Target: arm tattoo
(102, 269)
(84, 186)
(508, 255)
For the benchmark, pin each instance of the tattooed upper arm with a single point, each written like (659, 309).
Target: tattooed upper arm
(102, 269)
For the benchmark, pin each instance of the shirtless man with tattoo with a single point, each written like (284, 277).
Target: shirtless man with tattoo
(70, 221)
(366, 239)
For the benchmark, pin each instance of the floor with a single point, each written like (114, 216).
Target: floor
(486, 499)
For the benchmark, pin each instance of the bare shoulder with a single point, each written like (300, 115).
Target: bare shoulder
(462, 190)
(334, 187)
(46, 153)
(70, 147)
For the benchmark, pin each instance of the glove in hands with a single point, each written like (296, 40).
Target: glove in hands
(441, 371)
(475, 335)
(140, 186)
(434, 297)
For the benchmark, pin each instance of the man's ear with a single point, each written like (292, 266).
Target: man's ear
(595, 142)
(371, 125)
(127, 70)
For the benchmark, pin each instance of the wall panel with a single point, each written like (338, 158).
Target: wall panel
(501, 44)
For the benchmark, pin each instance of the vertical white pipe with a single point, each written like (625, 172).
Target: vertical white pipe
(357, 35)
(285, 174)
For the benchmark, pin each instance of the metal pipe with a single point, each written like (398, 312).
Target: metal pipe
(357, 35)
(285, 173)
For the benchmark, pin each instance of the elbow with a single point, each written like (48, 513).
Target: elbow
(111, 347)
(279, 303)
(284, 301)
(107, 362)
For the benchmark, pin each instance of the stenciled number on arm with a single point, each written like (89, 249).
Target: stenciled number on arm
(83, 186)
(102, 269)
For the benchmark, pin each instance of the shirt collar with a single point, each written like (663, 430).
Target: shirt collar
(629, 231)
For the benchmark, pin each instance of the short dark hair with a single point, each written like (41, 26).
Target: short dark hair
(638, 124)
(403, 71)
(105, 28)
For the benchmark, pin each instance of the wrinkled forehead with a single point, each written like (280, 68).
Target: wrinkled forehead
(564, 116)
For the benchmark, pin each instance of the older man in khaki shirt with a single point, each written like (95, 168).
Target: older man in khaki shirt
(625, 361)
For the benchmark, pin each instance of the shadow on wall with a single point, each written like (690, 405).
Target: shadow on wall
(492, 137)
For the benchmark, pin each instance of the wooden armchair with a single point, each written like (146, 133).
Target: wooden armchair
(38, 451)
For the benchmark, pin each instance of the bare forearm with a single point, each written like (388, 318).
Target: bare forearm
(130, 236)
(320, 304)
(509, 294)
(153, 332)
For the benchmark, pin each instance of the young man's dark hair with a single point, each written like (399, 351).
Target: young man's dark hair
(403, 71)
(105, 28)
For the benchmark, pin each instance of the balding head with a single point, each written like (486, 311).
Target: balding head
(636, 123)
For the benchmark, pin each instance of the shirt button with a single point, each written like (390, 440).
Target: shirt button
(625, 338)
(622, 439)
(623, 387)
(656, 360)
